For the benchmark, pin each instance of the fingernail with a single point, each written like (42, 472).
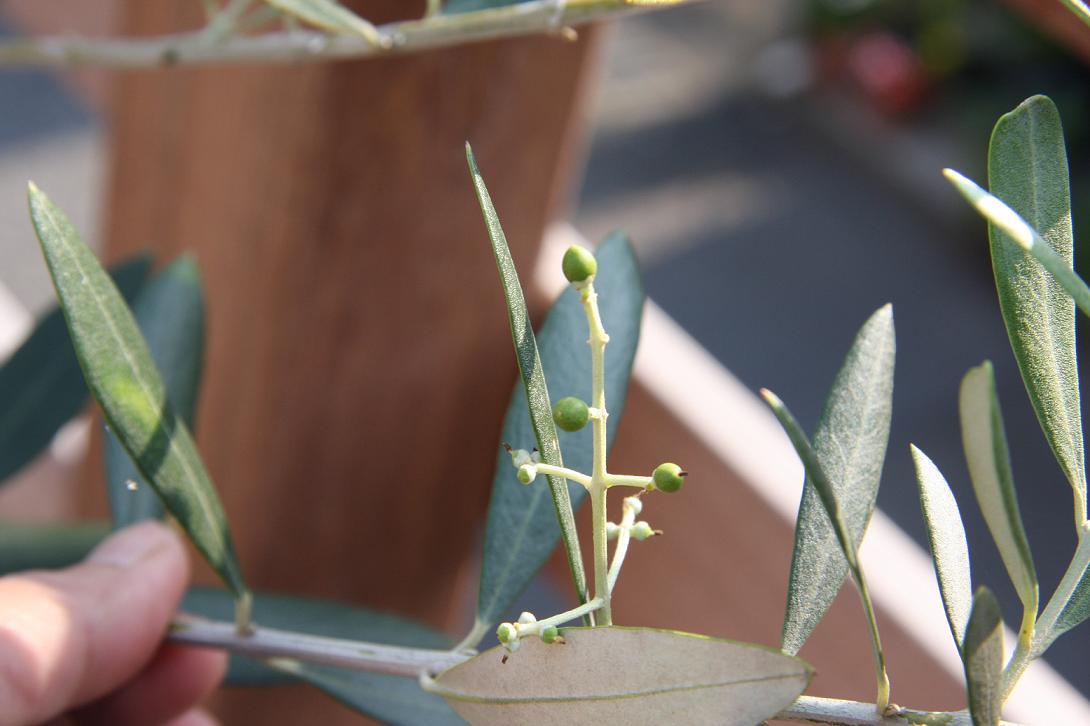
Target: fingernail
(131, 545)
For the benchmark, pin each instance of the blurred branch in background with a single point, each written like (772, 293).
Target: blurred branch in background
(227, 36)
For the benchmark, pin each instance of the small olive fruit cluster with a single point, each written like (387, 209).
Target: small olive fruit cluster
(511, 634)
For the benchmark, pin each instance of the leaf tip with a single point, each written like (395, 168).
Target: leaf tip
(471, 159)
(771, 398)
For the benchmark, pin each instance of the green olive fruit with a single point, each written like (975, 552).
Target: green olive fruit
(578, 264)
(571, 413)
(668, 477)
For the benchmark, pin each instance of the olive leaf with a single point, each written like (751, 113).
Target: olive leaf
(1075, 611)
(170, 313)
(1021, 233)
(850, 445)
(983, 659)
(1027, 168)
(122, 377)
(949, 548)
(330, 15)
(664, 674)
(496, 577)
(41, 387)
(986, 453)
(827, 495)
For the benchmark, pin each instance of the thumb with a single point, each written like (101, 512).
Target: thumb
(70, 636)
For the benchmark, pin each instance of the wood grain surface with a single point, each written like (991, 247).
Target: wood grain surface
(358, 361)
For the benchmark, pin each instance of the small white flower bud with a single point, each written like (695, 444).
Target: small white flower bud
(527, 473)
(527, 618)
(612, 530)
(642, 530)
(520, 457)
(634, 504)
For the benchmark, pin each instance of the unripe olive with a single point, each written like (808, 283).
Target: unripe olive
(527, 473)
(668, 477)
(578, 264)
(571, 413)
(550, 634)
(506, 633)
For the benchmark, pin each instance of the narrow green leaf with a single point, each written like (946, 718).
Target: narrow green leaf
(315, 617)
(522, 529)
(122, 377)
(665, 674)
(949, 548)
(1027, 167)
(995, 211)
(850, 445)
(815, 474)
(983, 658)
(46, 546)
(1075, 612)
(986, 453)
(41, 387)
(332, 16)
(539, 406)
(170, 313)
(827, 496)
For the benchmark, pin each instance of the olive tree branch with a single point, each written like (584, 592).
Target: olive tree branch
(295, 46)
(270, 644)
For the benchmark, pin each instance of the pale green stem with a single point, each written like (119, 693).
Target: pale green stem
(604, 615)
(576, 476)
(576, 612)
(624, 535)
(225, 22)
(598, 487)
(882, 699)
(211, 7)
(624, 480)
(260, 642)
(244, 606)
(1025, 653)
(474, 637)
(813, 709)
(260, 17)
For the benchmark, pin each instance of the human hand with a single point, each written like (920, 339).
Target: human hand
(84, 645)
